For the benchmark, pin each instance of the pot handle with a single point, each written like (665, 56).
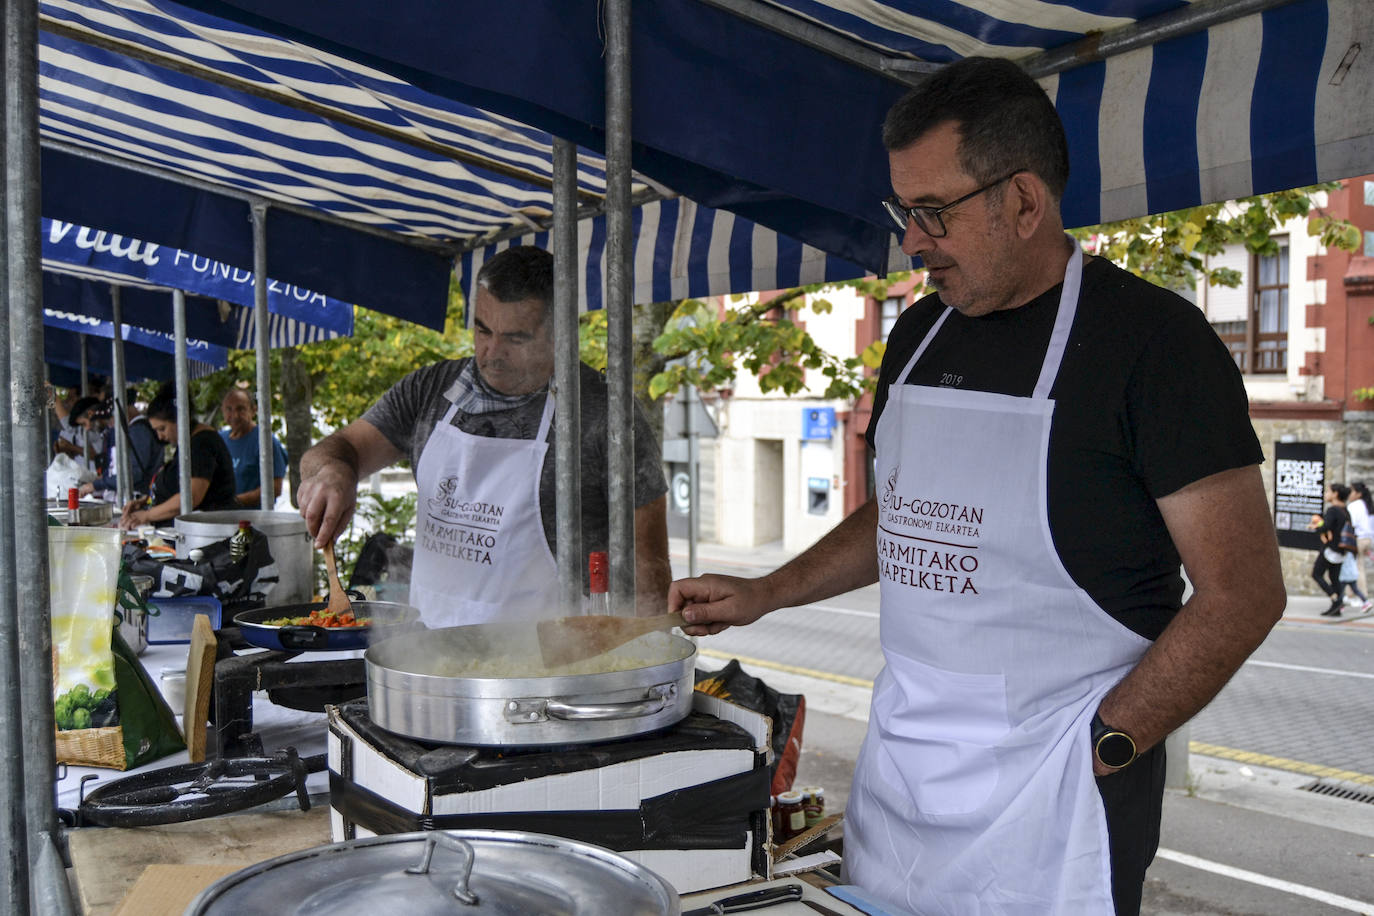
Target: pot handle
(302, 637)
(539, 710)
(453, 844)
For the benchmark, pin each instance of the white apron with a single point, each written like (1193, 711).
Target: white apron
(480, 551)
(974, 790)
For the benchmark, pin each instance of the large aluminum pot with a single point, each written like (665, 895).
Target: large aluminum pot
(287, 539)
(457, 872)
(411, 689)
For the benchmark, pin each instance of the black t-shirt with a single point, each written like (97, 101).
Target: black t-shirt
(1147, 401)
(209, 460)
(1334, 520)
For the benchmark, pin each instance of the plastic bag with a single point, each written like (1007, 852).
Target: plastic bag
(101, 703)
(237, 583)
(65, 473)
(1350, 571)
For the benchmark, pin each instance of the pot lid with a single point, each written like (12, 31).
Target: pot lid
(455, 873)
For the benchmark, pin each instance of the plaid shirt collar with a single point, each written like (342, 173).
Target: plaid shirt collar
(472, 395)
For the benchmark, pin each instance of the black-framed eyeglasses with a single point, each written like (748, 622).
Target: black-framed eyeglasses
(928, 219)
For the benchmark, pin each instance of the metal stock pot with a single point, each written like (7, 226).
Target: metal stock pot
(287, 540)
(458, 872)
(411, 690)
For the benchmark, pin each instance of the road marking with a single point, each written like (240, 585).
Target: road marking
(1337, 671)
(1279, 763)
(790, 669)
(1278, 884)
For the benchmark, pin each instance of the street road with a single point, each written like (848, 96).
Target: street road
(1246, 838)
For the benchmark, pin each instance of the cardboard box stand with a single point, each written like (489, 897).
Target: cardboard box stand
(699, 818)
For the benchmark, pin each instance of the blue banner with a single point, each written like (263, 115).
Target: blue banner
(94, 249)
(198, 350)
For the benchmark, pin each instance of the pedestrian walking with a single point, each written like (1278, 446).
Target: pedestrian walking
(1361, 507)
(1328, 526)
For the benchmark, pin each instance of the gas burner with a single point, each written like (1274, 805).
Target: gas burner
(308, 686)
(189, 791)
(458, 768)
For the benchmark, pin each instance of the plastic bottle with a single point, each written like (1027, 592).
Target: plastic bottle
(241, 541)
(598, 570)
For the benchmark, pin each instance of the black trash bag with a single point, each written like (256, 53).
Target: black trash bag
(787, 710)
(382, 559)
(239, 584)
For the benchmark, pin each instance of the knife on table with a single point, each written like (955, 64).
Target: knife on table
(750, 901)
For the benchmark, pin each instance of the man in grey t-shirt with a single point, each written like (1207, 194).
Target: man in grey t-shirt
(477, 433)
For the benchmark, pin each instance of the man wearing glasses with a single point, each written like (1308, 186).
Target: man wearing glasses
(1053, 437)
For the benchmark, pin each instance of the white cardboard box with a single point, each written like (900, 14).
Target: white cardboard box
(617, 787)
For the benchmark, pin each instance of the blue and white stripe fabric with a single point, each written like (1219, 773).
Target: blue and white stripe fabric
(431, 124)
(681, 251)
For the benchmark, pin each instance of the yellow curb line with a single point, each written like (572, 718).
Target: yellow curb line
(1279, 763)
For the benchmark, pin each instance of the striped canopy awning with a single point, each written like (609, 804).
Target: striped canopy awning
(390, 138)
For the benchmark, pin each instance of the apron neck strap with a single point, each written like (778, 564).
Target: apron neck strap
(1059, 337)
(545, 421)
(1063, 322)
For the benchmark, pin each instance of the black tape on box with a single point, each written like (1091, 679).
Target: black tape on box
(713, 815)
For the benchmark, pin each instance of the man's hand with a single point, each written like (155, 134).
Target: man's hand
(327, 499)
(711, 603)
(330, 471)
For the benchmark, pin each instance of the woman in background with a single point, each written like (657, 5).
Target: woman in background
(212, 470)
(1360, 509)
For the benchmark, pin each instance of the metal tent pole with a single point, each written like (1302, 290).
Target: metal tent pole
(183, 389)
(85, 391)
(619, 309)
(120, 385)
(14, 874)
(567, 389)
(266, 498)
(689, 397)
(28, 401)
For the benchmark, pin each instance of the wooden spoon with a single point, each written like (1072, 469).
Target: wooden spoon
(564, 640)
(338, 598)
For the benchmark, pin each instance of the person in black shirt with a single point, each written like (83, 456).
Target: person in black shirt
(212, 471)
(1053, 437)
(1328, 526)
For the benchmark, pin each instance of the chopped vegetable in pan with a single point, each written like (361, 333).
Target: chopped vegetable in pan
(320, 619)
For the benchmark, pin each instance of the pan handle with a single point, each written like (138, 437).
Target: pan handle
(303, 637)
(656, 699)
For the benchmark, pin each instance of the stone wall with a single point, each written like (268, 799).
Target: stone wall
(1359, 445)
(1337, 436)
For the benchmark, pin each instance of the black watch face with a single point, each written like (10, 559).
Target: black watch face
(1115, 750)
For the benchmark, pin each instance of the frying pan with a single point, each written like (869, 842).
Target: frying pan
(388, 619)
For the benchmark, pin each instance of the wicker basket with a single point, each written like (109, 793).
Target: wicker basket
(92, 747)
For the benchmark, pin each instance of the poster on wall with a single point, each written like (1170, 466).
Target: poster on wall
(1299, 481)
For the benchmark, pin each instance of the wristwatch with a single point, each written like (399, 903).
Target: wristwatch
(1112, 747)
